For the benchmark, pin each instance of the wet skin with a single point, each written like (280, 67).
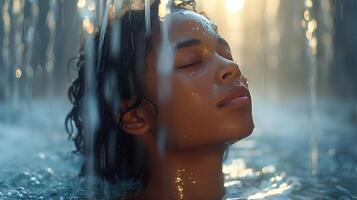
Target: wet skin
(209, 106)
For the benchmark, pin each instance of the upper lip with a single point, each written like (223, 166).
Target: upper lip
(237, 91)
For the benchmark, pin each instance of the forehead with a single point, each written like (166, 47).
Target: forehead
(186, 24)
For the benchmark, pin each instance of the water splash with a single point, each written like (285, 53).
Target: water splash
(90, 111)
(147, 17)
(6, 21)
(116, 28)
(161, 140)
(165, 58)
(90, 106)
(164, 9)
(23, 72)
(271, 16)
(50, 53)
(237, 174)
(310, 25)
(103, 29)
(17, 17)
(326, 56)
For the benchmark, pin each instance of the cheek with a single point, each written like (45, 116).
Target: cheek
(191, 118)
(188, 122)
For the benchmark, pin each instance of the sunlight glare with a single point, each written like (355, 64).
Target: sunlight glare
(234, 5)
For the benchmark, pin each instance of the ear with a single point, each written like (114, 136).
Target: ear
(135, 122)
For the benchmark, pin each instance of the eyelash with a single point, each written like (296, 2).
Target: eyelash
(227, 54)
(189, 65)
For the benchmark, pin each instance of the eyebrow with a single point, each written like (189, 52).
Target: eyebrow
(194, 42)
(188, 43)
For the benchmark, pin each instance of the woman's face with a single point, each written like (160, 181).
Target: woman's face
(209, 101)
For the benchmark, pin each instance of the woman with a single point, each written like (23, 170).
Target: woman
(171, 139)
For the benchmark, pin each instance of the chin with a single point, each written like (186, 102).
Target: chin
(247, 127)
(249, 130)
(240, 132)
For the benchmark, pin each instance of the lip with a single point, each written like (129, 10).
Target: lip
(239, 96)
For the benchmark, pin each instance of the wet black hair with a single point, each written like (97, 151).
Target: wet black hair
(116, 155)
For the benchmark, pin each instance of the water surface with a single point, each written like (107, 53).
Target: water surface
(273, 163)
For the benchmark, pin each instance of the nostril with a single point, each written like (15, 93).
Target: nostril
(227, 75)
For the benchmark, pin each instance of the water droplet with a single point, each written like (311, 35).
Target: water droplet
(42, 155)
(18, 73)
(81, 3)
(268, 169)
(307, 15)
(88, 26)
(49, 170)
(308, 3)
(91, 6)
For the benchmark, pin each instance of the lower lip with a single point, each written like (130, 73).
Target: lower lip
(239, 102)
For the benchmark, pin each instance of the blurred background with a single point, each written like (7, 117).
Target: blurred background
(299, 56)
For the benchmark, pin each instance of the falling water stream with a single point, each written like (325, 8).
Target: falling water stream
(37, 160)
(312, 49)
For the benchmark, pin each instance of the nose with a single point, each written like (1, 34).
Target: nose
(227, 72)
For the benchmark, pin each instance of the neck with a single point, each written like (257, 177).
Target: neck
(186, 175)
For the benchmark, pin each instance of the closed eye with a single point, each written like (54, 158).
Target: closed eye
(190, 65)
